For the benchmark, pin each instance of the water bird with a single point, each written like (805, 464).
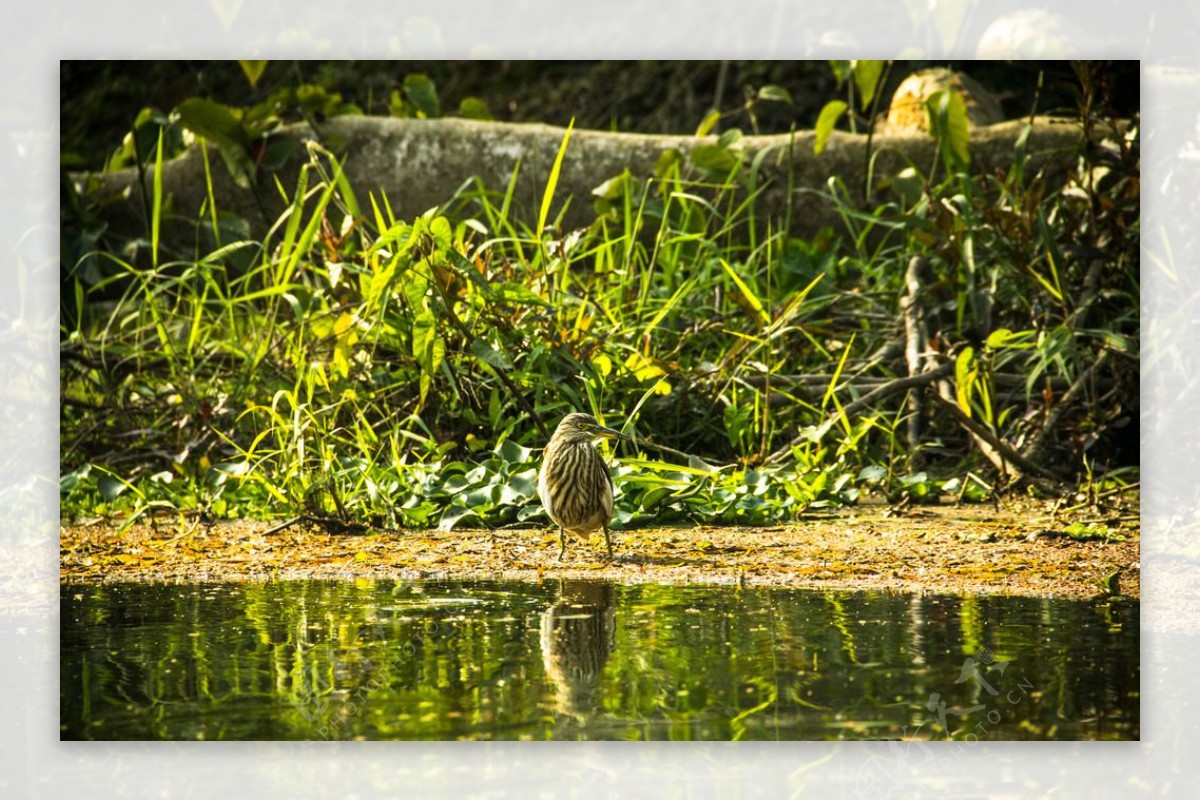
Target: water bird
(574, 484)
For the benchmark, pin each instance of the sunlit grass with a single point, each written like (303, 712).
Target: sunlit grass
(406, 372)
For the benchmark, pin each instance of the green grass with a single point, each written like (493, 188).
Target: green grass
(406, 372)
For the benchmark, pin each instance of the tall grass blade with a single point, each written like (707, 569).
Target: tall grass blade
(208, 193)
(156, 208)
(747, 293)
(552, 181)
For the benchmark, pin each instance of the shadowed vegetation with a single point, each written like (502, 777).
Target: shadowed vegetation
(406, 372)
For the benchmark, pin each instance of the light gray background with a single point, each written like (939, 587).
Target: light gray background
(39, 34)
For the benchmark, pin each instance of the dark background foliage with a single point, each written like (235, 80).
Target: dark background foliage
(101, 98)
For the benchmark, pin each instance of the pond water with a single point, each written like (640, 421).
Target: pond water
(588, 660)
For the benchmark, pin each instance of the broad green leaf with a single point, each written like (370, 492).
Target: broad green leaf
(399, 238)
(909, 184)
(531, 512)
(455, 516)
(1006, 338)
(731, 139)
(471, 271)
(643, 368)
(429, 350)
(511, 292)
(517, 492)
(841, 71)
(72, 480)
(826, 121)
(110, 487)
(341, 363)
(253, 70)
(345, 339)
(474, 109)
(964, 378)
(238, 162)
(602, 364)
(487, 353)
(483, 497)
(141, 140)
(278, 151)
(380, 281)
(653, 497)
(1121, 343)
(512, 452)
(616, 187)
(997, 338)
(950, 127)
(775, 92)
(866, 78)
(442, 232)
(872, 472)
(706, 125)
(321, 327)
(422, 93)
(335, 272)
(215, 122)
(424, 328)
(716, 159)
(668, 159)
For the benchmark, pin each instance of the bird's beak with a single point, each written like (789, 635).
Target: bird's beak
(611, 433)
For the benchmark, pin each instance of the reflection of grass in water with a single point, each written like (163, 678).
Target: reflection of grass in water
(290, 659)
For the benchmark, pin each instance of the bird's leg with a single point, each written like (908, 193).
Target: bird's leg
(608, 543)
(562, 543)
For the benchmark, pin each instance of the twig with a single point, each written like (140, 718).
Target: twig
(999, 452)
(1097, 497)
(1034, 449)
(1001, 380)
(186, 533)
(1110, 519)
(283, 525)
(899, 385)
(916, 337)
(890, 388)
(689, 458)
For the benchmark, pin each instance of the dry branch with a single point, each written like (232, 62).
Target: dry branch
(890, 388)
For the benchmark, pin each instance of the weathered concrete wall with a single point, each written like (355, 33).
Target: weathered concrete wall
(421, 163)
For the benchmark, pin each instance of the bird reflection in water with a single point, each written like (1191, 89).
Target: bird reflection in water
(578, 634)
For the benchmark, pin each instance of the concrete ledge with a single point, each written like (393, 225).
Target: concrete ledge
(419, 164)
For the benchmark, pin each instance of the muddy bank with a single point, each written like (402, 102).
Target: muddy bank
(940, 549)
